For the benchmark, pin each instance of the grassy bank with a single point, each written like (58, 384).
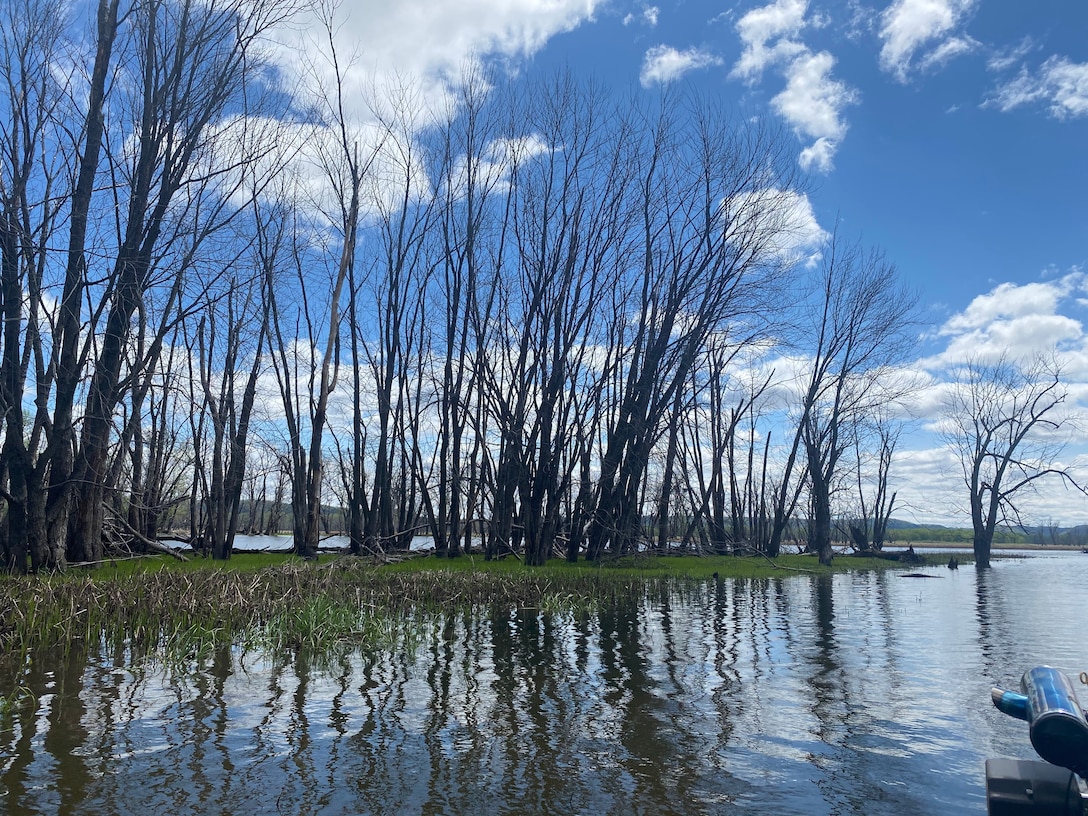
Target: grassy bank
(275, 602)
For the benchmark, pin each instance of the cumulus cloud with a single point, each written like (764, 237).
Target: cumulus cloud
(428, 44)
(1059, 83)
(400, 63)
(1013, 320)
(784, 222)
(913, 26)
(664, 64)
(1022, 336)
(1008, 300)
(813, 101)
(1023, 319)
(929, 486)
(768, 35)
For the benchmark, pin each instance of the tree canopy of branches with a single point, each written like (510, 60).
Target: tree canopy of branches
(862, 319)
(525, 319)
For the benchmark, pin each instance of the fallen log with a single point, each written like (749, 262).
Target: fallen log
(153, 546)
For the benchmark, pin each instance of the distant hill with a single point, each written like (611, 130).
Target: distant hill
(899, 524)
(907, 532)
(1044, 535)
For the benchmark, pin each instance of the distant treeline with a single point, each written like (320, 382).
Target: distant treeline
(953, 535)
(1044, 535)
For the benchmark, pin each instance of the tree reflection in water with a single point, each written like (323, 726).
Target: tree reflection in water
(842, 694)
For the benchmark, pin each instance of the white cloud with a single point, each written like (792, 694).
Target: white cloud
(931, 490)
(813, 100)
(1017, 320)
(1022, 336)
(1068, 83)
(1024, 89)
(819, 155)
(649, 16)
(1061, 83)
(1004, 58)
(664, 63)
(784, 219)
(429, 45)
(400, 62)
(1021, 319)
(947, 51)
(781, 21)
(929, 487)
(911, 25)
(1008, 300)
(428, 36)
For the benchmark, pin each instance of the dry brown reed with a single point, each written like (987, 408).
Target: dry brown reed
(285, 606)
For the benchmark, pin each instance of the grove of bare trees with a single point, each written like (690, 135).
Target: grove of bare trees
(534, 318)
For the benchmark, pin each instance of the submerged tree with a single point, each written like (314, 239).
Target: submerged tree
(709, 203)
(33, 159)
(124, 163)
(1005, 423)
(540, 298)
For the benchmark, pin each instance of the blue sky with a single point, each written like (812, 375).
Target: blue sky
(952, 134)
(957, 131)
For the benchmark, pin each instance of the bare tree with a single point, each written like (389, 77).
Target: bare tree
(471, 176)
(863, 319)
(344, 151)
(570, 181)
(386, 311)
(33, 154)
(240, 329)
(723, 481)
(709, 205)
(875, 441)
(1005, 423)
(188, 63)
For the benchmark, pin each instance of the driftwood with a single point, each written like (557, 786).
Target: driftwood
(153, 546)
(907, 556)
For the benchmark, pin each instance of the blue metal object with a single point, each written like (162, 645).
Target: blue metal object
(1059, 734)
(1056, 723)
(1011, 703)
(1058, 729)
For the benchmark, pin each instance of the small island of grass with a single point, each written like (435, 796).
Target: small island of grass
(276, 601)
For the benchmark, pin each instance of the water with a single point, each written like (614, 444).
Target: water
(284, 542)
(857, 693)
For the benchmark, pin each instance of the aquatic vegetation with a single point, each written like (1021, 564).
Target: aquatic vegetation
(184, 611)
(188, 612)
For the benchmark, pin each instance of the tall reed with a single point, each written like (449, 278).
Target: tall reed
(291, 606)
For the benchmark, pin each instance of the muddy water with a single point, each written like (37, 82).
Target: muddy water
(864, 693)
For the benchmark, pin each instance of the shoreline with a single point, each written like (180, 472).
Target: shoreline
(953, 545)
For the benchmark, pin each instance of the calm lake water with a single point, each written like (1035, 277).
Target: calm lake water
(859, 693)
